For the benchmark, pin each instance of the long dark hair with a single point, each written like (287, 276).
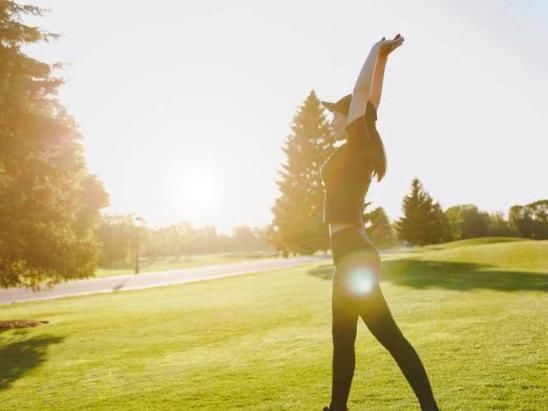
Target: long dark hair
(375, 154)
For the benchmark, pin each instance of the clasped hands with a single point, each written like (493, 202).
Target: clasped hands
(388, 46)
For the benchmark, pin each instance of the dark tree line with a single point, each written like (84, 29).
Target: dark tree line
(459, 222)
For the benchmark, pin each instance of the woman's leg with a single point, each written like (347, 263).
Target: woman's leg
(377, 316)
(344, 327)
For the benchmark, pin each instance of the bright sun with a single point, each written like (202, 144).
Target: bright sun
(201, 189)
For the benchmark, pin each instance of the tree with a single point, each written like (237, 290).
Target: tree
(247, 238)
(182, 239)
(378, 226)
(531, 220)
(115, 235)
(423, 220)
(50, 203)
(499, 227)
(201, 240)
(297, 223)
(467, 221)
(274, 239)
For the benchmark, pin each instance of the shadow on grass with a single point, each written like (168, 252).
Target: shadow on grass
(324, 271)
(17, 358)
(450, 275)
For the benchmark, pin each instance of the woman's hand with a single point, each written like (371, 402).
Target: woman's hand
(388, 46)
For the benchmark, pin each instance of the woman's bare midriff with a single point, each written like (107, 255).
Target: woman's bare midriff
(334, 227)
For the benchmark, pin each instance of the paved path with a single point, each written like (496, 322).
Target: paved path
(155, 279)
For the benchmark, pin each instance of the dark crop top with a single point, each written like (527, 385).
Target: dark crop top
(344, 173)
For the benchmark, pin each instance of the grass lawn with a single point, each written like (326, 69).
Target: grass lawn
(148, 265)
(476, 313)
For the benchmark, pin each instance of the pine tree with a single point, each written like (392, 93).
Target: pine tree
(297, 224)
(423, 220)
(50, 203)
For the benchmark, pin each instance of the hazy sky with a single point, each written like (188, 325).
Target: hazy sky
(185, 105)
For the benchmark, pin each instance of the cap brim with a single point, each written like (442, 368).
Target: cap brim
(328, 105)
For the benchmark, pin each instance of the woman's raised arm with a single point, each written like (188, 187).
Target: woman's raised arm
(369, 84)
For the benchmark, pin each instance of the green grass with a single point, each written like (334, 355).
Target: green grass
(518, 255)
(148, 265)
(472, 242)
(477, 315)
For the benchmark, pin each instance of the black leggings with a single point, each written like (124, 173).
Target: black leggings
(356, 293)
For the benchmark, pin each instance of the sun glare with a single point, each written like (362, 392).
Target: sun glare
(200, 188)
(360, 280)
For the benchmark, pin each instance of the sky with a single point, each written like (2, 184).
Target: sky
(184, 106)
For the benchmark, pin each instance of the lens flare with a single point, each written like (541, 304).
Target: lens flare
(360, 280)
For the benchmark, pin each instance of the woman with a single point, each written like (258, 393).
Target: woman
(346, 176)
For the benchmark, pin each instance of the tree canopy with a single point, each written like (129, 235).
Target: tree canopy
(531, 220)
(50, 202)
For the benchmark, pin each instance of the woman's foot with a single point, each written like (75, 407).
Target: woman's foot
(332, 409)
